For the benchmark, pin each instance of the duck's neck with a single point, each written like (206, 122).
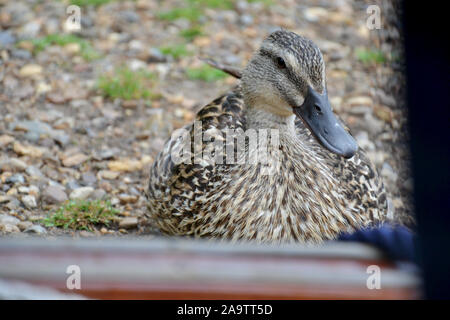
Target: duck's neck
(261, 118)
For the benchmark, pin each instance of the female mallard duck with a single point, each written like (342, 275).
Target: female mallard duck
(314, 184)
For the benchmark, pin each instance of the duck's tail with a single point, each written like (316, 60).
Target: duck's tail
(233, 71)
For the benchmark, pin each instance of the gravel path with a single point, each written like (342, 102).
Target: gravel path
(62, 137)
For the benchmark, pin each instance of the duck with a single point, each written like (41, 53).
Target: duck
(311, 183)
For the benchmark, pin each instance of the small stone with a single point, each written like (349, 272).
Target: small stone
(72, 48)
(108, 174)
(6, 38)
(126, 198)
(388, 173)
(5, 199)
(9, 228)
(359, 101)
(98, 194)
(34, 172)
(129, 16)
(54, 195)
(13, 164)
(36, 229)
(21, 54)
(16, 178)
(7, 219)
(5, 140)
(30, 70)
(86, 234)
(81, 193)
(314, 14)
(156, 56)
(56, 97)
(75, 160)
(29, 201)
(384, 113)
(23, 225)
(128, 223)
(126, 165)
(88, 178)
(26, 150)
(246, 19)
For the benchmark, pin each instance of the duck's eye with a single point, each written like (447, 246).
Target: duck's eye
(280, 63)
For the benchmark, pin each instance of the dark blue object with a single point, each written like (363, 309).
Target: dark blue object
(397, 242)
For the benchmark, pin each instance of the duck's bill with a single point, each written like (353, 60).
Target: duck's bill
(317, 115)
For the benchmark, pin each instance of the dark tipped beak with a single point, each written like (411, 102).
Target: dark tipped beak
(316, 113)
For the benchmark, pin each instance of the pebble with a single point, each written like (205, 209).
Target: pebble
(5, 140)
(81, 193)
(388, 172)
(156, 56)
(12, 164)
(27, 150)
(359, 101)
(128, 223)
(88, 178)
(126, 165)
(21, 54)
(54, 195)
(108, 174)
(7, 38)
(129, 16)
(30, 70)
(29, 201)
(23, 225)
(7, 219)
(34, 172)
(98, 194)
(246, 19)
(126, 198)
(9, 228)
(36, 229)
(75, 160)
(16, 178)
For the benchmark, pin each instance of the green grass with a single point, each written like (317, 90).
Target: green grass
(190, 33)
(192, 14)
(205, 73)
(369, 56)
(82, 215)
(176, 51)
(127, 84)
(215, 4)
(86, 51)
(83, 3)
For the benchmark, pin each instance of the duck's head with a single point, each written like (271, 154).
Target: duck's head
(287, 76)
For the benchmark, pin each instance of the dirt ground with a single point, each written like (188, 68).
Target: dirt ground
(62, 136)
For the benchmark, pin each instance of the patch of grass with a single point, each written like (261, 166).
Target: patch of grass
(86, 51)
(192, 14)
(82, 215)
(83, 3)
(190, 33)
(127, 84)
(369, 56)
(176, 51)
(205, 73)
(215, 4)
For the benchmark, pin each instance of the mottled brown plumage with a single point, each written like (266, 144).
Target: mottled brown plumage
(309, 195)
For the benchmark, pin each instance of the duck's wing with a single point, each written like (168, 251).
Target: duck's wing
(175, 186)
(363, 188)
